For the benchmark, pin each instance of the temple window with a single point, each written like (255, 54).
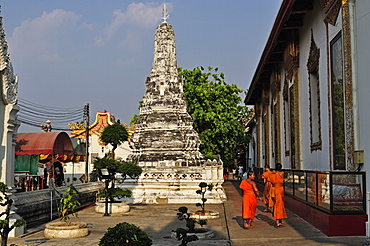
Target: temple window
(337, 98)
(314, 95)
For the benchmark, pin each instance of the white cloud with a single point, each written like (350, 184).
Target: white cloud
(138, 16)
(41, 39)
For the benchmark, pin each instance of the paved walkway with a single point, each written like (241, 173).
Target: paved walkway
(160, 220)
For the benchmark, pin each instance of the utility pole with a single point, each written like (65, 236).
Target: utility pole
(87, 124)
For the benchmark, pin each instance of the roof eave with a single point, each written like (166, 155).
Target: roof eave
(282, 16)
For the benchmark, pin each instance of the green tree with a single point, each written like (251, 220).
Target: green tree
(214, 106)
(114, 135)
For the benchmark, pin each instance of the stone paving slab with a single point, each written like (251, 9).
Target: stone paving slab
(160, 220)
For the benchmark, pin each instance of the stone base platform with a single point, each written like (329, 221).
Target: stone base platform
(170, 192)
(177, 184)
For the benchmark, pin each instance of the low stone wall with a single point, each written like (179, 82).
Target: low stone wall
(42, 204)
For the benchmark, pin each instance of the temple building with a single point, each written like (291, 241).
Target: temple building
(165, 144)
(311, 101)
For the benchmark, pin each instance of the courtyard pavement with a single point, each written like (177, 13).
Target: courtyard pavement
(160, 219)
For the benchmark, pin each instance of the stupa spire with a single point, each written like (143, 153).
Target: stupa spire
(164, 143)
(165, 131)
(165, 15)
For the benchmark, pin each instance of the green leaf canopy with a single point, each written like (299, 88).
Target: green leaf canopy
(214, 106)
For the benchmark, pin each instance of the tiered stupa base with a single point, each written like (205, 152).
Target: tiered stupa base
(178, 185)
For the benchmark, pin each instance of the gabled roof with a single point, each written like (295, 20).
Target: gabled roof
(43, 143)
(102, 120)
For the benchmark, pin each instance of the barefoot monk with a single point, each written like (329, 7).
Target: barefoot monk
(267, 191)
(277, 180)
(250, 196)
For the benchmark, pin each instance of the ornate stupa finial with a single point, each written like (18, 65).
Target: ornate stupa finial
(165, 15)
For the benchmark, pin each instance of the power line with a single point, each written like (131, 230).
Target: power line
(34, 114)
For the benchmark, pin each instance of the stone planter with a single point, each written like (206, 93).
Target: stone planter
(201, 233)
(113, 207)
(65, 230)
(205, 216)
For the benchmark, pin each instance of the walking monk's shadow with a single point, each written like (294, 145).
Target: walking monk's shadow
(264, 216)
(260, 215)
(239, 220)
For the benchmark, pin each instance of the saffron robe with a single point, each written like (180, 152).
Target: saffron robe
(249, 200)
(267, 190)
(279, 207)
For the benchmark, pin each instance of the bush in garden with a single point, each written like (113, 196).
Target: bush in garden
(202, 191)
(125, 234)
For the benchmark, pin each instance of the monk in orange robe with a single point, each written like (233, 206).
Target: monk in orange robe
(267, 190)
(250, 196)
(277, 180)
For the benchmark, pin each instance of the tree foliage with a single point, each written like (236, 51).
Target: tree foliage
(125, 169)
(214, 106)
(114, 135)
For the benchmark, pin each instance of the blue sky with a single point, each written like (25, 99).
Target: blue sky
(69, 53)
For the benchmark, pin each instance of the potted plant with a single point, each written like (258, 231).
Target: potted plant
(117, 171)
(191, 234)
(64, 228)
(125, 234)
(5, 226)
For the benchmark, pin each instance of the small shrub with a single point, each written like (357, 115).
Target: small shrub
(68, 203)
(125, 234)
(115, 193)
(202, 191)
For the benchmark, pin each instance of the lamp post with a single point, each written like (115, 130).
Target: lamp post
(105, 175)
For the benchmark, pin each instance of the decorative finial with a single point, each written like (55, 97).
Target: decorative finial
(165, 14)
